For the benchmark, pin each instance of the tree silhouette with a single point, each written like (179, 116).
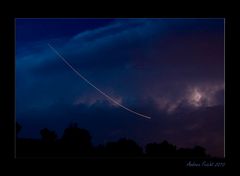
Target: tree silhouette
(47, 135)
(76, 140)
(197, 151)
(123, 147)
(163, 149)
(75, 135)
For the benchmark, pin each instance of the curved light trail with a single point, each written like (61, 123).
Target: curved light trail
(104, 94)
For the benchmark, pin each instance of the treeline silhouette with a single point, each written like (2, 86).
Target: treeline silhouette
(76, 142)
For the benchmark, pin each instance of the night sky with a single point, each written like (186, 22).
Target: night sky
(169, 69)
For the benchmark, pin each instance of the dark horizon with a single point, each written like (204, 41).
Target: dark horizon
(169, 69)
(77, 142)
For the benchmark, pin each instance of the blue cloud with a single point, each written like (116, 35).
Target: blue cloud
(150, 64)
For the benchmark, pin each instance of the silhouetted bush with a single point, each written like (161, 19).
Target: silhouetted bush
(163, 149)
(76, 142)
(48, 136)
(123, 147)
(194, 152)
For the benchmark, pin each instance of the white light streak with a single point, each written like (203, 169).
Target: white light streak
(87, 81)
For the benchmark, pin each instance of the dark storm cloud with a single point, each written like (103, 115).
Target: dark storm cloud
(145, 51)
(155, 66)
(145, 43)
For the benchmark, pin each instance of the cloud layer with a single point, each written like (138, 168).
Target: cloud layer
(158, 66)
